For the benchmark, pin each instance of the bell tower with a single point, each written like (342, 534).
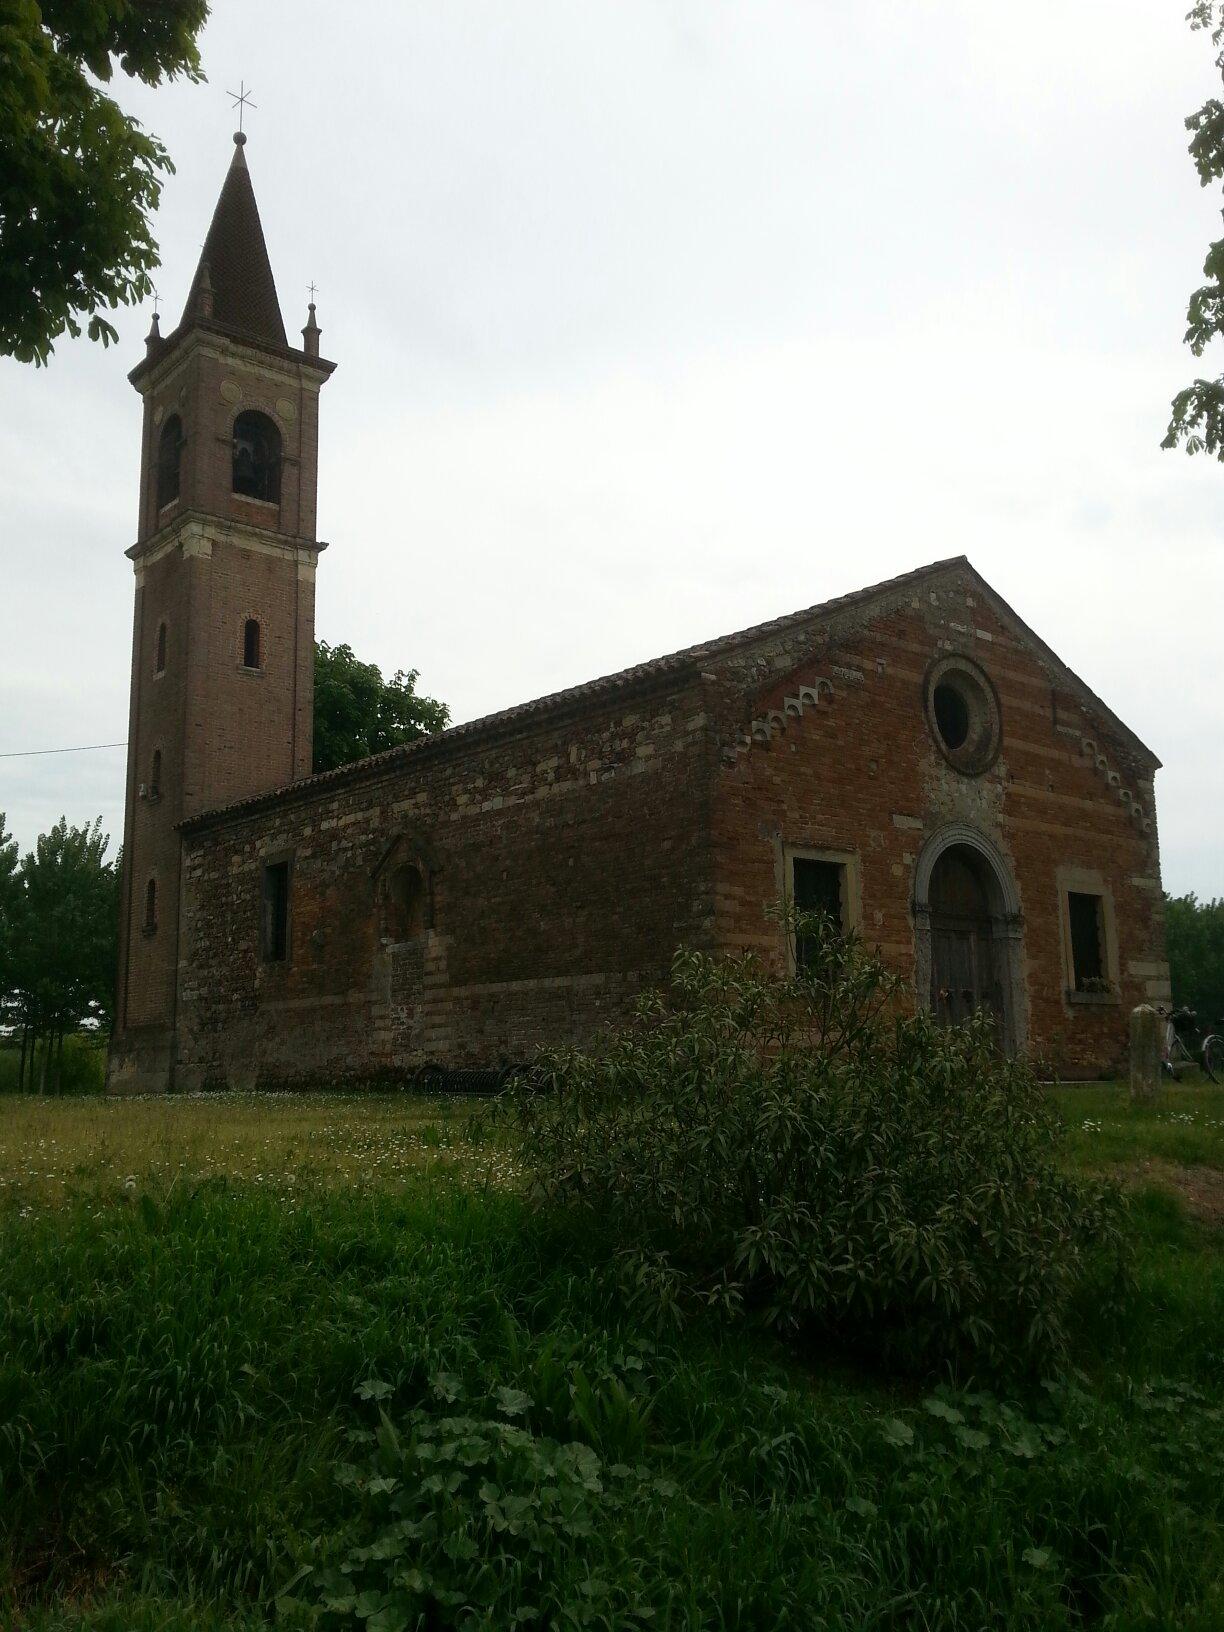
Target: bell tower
(222, 689)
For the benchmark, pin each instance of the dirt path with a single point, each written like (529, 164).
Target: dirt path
(1201, 1188)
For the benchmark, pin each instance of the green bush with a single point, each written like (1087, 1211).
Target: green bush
(804, 1149)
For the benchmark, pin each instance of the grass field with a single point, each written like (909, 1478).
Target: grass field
(261, 1349)
(52, 1150)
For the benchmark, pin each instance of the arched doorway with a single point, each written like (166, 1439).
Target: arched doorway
(964, 968)
(968, 934)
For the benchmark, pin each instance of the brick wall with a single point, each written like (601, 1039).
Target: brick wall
(569, 852)
(859, 773)
(564, 865)
(208, 381)
(205, 563)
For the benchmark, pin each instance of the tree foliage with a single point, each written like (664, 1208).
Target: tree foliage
(1194, 930)
(79, 178)
(1197, 421)
(60, 928)
(810, 1150)
(358, 713)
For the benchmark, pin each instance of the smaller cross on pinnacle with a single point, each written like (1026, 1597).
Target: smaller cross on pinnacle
(156, 299)
(313, 292)
(241, 100)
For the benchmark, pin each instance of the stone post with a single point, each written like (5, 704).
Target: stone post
(1146, 1048)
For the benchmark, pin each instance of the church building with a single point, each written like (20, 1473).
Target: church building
(912, 757)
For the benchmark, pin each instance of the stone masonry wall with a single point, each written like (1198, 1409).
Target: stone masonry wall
(569, 857)
(565, 863)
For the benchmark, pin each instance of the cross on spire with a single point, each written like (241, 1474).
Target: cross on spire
(313, 290)
(241, 100)
(156, 299)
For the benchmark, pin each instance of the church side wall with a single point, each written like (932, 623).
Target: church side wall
(562, 866)
(858, 775)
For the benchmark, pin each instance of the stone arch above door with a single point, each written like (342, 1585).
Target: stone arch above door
(1005, 922)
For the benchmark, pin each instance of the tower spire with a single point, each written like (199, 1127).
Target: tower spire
(234, 275)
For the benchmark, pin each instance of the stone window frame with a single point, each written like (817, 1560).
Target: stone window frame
(985, 714)
(1075, 880)
(161, 648)
(285, 859)
(852, 892)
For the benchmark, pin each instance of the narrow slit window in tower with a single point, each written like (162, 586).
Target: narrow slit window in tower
(250, 644)
(150, 921)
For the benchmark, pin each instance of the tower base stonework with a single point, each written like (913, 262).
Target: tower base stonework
(141, 1061)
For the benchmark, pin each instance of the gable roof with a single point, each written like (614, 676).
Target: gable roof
(689, 659)
(1078, 688)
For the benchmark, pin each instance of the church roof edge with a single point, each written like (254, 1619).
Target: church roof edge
(637, 677)
(644, 676)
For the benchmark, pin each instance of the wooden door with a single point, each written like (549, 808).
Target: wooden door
(964, 966)
(963, 977)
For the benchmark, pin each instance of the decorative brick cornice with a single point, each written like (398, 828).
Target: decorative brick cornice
(195, 532)
(1113, 779)
(215, 340)
(766, 727)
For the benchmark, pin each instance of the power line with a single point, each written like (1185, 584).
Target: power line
(34, 753)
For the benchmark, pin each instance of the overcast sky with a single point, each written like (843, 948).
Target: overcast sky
(656, 318)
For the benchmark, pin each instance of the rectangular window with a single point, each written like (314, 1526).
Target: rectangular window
(276, 912)
(817, 886)
(1087, 941)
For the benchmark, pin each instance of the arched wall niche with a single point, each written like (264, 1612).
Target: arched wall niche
(404, 888)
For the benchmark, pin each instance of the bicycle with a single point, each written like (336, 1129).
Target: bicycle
(1177, 1056)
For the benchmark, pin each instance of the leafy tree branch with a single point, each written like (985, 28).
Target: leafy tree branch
(79, 178)
(358, 713)
(1197, 421)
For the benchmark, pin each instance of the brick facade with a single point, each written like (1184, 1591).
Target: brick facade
(535, 931)
(968, 804)
(858, 774)
(569, 847)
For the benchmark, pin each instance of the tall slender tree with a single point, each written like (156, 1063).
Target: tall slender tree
(64, 932)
